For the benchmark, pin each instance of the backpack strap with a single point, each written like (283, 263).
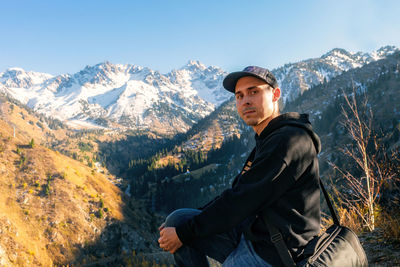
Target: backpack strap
(279, 243)
(277, 239)
(330, 206)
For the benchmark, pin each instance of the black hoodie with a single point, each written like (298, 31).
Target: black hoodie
(279, 182)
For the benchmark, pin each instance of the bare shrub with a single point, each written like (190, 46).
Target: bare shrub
(363, 182)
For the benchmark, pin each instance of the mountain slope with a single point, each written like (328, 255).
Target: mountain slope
(296, 78)
(56, 210)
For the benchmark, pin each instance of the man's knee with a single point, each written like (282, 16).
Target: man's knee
(180, 216)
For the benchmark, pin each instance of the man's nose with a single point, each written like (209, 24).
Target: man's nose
(246, 101)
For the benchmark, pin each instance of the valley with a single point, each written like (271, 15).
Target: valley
(92, 162)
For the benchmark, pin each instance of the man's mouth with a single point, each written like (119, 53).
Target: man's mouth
(249, 111)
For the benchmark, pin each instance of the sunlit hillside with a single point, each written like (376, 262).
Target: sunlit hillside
(54, 209)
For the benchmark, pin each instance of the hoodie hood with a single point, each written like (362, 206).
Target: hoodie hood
(293, 119)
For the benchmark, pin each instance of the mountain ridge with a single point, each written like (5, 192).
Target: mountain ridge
(296, 78)
(125, 96)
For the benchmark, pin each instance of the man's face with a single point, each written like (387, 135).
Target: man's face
(255, 101)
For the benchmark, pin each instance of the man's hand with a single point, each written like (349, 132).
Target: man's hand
(169, 240)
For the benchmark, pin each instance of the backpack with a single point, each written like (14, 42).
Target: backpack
(338, 246)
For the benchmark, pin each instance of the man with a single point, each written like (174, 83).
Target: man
(278, 184)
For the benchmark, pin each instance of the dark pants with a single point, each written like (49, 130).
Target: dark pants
(229, 248)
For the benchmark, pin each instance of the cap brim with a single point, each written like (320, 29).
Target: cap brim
(231, 79)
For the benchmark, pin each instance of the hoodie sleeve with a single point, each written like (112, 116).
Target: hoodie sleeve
(278, 162)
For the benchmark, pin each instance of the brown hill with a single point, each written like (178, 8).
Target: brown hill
(54, 209)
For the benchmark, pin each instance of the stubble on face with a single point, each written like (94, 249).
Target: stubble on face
(248, 116)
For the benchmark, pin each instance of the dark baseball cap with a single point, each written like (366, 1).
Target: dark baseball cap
(258, 72)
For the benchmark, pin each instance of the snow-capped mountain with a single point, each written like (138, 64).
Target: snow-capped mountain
(17, 77)
(135, 97)
(207, 81)
(295, 78)
(129, 95)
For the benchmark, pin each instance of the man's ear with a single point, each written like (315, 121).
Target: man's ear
(276, 94)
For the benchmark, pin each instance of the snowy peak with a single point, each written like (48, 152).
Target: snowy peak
(345, 60)
(194, 65)
(103, 74)
(298, 77)
(337, 52)
(384, 52)
(108, 74)
(206, 81)
(17, 78)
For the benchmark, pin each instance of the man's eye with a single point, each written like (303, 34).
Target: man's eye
(254, 92)
(239, 96)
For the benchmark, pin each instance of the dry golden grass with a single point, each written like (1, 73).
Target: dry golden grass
(26, 124)
(48, 202)
(390, 223)
(164, 161)
(212, 138)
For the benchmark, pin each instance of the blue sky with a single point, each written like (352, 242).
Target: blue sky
(64, 36)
